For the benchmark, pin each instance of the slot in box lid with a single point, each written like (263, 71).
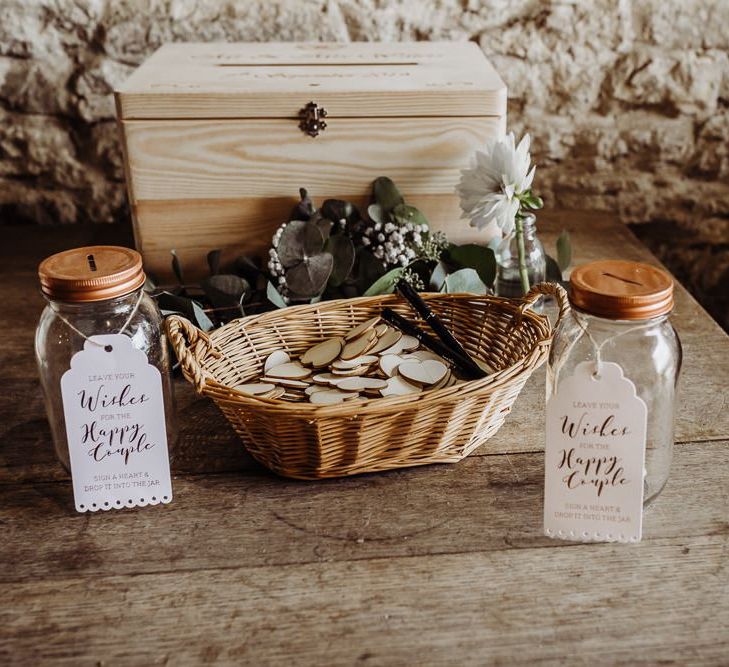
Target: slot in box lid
(276, 80)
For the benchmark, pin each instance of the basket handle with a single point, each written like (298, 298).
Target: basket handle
(190, 345)
(547, 289)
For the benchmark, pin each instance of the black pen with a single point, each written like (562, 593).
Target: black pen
(466, 367)
(422, 308)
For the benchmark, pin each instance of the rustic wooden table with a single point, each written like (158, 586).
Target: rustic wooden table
(437, 565)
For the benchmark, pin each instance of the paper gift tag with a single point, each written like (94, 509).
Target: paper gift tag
(594, 458)
(115, 424)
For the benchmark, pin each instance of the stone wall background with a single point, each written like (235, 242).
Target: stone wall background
(627, 100)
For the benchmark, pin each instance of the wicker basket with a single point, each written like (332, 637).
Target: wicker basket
(307, 441)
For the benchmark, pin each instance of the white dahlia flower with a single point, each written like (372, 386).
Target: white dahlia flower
(498, 184)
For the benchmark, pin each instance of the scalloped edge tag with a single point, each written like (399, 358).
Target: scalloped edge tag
(115, 424)
(595, 457)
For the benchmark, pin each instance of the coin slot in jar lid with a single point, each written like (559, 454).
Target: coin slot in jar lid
(94, 273)
(625, 280)
(621, 290)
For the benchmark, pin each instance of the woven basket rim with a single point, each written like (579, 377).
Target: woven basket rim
(527, 363)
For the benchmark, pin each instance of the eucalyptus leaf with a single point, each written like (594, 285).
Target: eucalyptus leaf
(385, 284)
(298, 240)
(386, 194)
(339, 209)
(203, 321)
(305, 208)
(177, 267)
(375, 213)
(369, 268)
(227, 291)
(465, 280)
(248, 267)
(564, 250)
(403, 213)
(309, 277)
(477, 257)
(214, 261)
(437, 278)
(553, 273)
(349, 291)
(325, 225)
(274, 296)
(341, 248)
(173, 303)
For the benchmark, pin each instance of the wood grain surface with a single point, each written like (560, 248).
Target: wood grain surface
(435, 565)
(168, 224)
(360, 80)
(240, 159)
(253, 518)
(199, 185)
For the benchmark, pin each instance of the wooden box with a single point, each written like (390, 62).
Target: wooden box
(215, 151)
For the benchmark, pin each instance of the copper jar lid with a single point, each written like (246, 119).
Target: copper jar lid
(93, 273)
(621, 290)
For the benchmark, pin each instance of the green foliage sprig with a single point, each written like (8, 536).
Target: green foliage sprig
(337, 252)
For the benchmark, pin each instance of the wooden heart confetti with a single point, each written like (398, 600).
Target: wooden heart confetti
(286, 382)
(388, 339)
(398, 386)
(408, 343)
(323, 353)
(423, 355)
(443, 382)
(277, 392)
(360, 384)
(359, 346)
(424, 372)
(290, 370)
(403, 343)
(389, 363)
(361, 328)
(331, 397)
(371, 360)
(255, 388)
(357, 361)
(324, 378)
(344, 372)
(314, 388)
(274, 359)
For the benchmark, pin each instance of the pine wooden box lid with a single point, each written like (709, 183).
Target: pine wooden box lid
(352, 80)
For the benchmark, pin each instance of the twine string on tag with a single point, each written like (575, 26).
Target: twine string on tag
(598, 346)
(108, 348)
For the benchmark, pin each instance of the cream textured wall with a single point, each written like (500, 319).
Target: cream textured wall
(627, 100)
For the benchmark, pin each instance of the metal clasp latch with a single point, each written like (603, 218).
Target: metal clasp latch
(312, 116)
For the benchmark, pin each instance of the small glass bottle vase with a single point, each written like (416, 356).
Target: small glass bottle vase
(509, 280)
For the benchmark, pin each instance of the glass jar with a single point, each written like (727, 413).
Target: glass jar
(508, 274)
(90, 291)
(620, 314)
